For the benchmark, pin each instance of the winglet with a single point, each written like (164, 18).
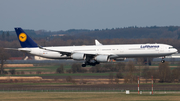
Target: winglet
(24, 39)
(98, 43)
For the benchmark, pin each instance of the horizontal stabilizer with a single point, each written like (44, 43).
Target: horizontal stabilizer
(20, 49)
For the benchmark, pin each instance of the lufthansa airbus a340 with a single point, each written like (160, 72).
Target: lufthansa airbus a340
(93, 54)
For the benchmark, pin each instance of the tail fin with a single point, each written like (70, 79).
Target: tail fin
(24, 39)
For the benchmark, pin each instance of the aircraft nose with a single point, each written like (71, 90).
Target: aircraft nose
(175, 50)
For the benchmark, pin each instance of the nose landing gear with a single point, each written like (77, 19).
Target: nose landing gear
(163, 59)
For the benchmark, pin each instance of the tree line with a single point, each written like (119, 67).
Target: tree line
(129, 71)
(131, 32)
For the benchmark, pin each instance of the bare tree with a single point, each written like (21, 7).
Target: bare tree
(119, 75)
(111, 76)
(155, 75)
(129, 76)
(140, 63)
(120, 66)
(176, 74)
(116, 80)
(3, 57)
(12, 71)
(146, 73)
(75, 67)
(60, 69)
(164, 72)
(130, 67)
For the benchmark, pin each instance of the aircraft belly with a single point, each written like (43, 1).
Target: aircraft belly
(144, 55)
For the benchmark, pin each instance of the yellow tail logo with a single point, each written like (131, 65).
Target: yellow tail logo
(22, 37)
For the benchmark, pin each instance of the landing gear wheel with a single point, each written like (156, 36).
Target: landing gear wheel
(93, 64)
(162, 61)
(83, 65)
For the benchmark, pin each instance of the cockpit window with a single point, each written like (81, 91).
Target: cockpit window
(171, 47)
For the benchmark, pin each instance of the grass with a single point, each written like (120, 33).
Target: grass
(169, 65)
(37, 83)
(66, 74)
(38, 68)
(44, 68)
(34, 83)
(53, 68)
(93, 96)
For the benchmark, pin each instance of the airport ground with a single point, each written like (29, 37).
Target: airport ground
(69, 87)
(56, 90)
(86, 81)
(88, 96)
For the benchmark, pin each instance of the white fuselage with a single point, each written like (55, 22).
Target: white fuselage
(114, 51)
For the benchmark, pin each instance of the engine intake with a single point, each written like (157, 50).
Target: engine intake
(102, 58)
(78, 56)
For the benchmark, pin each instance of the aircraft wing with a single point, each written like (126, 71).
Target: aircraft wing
(11, 48)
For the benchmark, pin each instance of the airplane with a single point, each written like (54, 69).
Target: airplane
(93, 54)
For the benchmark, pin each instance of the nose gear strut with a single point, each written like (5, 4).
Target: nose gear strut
(163, 59)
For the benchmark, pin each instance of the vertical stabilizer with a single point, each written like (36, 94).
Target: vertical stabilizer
(97, 43)
(24, 39)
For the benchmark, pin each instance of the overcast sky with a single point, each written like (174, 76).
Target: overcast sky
(57, 15)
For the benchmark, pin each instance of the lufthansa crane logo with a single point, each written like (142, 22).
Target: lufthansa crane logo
(22, 37)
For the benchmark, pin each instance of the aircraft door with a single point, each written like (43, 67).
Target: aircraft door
(98, 50)
(121, 50)
(161, 50)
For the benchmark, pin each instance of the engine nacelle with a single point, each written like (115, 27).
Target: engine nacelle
(78, 56)
(102, 58)
(120, 59)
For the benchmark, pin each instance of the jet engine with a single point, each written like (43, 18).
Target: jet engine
(78, 56)
(102, 58)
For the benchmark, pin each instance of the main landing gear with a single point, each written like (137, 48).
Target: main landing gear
(83, 65)
(163, 59)
(90, 63)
